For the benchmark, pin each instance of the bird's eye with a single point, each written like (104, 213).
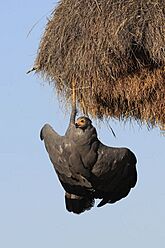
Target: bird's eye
(82, 121)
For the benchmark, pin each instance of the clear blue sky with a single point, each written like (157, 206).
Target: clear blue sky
(32, 212)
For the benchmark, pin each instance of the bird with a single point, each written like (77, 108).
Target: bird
(72, 155)
(87, 169)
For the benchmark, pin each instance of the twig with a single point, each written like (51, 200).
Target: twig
(97, 5)
(32, 69)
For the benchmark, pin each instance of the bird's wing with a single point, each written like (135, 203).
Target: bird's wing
(54, 146)
(114, 173)
(59, 149)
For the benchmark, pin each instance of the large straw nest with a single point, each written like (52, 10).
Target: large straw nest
(114, 51)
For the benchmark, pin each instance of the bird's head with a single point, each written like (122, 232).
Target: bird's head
(83, 122)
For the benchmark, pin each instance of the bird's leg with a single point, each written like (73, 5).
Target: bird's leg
(73, 114)
(74, 111)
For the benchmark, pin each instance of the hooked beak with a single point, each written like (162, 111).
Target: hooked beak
(76, 125)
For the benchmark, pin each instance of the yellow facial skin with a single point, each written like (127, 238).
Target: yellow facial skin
(82, 122)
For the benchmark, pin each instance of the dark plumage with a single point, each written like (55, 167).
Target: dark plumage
(86, 168)
(115, 173)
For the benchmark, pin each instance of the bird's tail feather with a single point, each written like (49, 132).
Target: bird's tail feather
(78, 204)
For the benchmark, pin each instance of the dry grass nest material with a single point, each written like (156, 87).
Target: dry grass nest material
(114, 51)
